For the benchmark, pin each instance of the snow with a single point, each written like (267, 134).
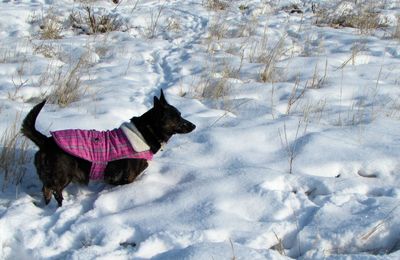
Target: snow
(303, 165)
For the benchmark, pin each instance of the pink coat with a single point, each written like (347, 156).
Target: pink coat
(98, 147)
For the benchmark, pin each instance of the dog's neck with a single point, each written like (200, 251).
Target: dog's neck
(151, 133)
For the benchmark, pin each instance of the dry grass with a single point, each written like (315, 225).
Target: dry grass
(67, 84)
(13, 155)
(356, 49)
(13, 54)
(86, 21)
(279, 247)
(269, 57)
(153, 26)
(379, 228)
(213, 88)
(290, 147)
(86, 239)
(248, 27)
(218, 29)
(233, 250)
(216, 5)
(51, 28)
(48, 50)
(18, 85)
(174, 24)
(314, 110)
(365, 18)
(215, 83)
(396, 32)
(367, 22)
(231, 72)
(318, 81)
(49, 23)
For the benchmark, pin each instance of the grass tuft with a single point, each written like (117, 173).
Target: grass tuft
(86, 21)
(64, 86)
(50, 25)
(216, 5)
(396, 32)
(68, 86)
(13, 155)
(363, 17)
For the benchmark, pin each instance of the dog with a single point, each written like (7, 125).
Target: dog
(58, 165)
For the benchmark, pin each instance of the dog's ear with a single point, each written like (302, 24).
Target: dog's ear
(156, 102)
(162, 98)
(160, 102)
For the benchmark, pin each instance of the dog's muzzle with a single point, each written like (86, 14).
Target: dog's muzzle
(186, 127)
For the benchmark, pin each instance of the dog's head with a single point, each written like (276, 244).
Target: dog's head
(161, 122)
(169, 118)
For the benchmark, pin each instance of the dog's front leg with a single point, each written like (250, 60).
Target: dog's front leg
(135, 168)
(124, 171)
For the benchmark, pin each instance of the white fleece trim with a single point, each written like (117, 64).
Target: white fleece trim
(135, 137)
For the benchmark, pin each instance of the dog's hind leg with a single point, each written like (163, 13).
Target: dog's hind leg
(61, 184)
(46, 194)
(58, 196)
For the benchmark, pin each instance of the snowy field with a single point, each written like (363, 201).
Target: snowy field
(297, 146)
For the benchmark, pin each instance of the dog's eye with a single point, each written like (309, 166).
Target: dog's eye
(178, 116)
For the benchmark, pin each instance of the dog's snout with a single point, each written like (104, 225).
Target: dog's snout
(190, 126)
(187, 126)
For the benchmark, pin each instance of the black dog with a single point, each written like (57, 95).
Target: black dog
(57, 168)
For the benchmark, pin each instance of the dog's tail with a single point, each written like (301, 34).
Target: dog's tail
(28, 126)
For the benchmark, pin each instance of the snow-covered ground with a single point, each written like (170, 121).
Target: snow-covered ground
(296, 151)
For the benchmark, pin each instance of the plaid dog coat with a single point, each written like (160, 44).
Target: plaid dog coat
(99, 147)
